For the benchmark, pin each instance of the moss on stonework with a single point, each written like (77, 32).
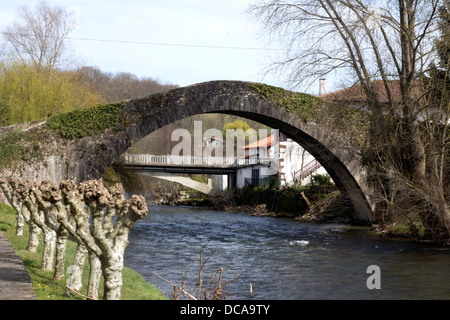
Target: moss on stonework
(10, 148)
(18, 147)
(86, 122)
(301, 104)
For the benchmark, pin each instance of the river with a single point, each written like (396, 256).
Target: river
(283, 259)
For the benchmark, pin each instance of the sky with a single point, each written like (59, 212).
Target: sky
(180, 42)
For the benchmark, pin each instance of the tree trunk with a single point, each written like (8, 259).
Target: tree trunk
(33, 237)
(8, 191)
(407, 87)
(48, 256)
(33, 230)
(75, 279)
(95, 275)
(20, 224)
(112, 273)
(60, 261)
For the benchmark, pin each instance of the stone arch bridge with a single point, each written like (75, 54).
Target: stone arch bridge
(49, 153)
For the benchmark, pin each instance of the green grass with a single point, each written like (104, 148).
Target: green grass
(134, 285)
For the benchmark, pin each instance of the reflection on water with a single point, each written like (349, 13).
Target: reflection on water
(283, 258)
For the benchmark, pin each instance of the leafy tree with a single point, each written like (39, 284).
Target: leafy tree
(236, 126)
(34, 80)
(28, 94)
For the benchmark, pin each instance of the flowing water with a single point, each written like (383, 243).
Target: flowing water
(282, 259)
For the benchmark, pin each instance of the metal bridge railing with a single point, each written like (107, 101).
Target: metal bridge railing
(150, 159)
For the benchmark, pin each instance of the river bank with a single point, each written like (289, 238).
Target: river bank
(310, 204)
(316, 204)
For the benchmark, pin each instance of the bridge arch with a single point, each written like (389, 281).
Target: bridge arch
(89, 157)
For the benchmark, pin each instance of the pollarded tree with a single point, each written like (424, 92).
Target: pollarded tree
(65, 220)
(9, 188)
(103, 220)
(99, 219)
(47, 195)
(10, 195)
(80, 230)
(36, 209)
(112, 241)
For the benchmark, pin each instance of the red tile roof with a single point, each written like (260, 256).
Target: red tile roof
(265, 143)
(357, 94)
(217, 139)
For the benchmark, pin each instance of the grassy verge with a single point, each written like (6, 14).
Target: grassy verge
(134, 285)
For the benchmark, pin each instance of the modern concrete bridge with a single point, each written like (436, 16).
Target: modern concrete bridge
(168, 167)
(190, 164)
(322, 129)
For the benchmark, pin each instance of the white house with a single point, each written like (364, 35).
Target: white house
(292, 162)
(256, 167)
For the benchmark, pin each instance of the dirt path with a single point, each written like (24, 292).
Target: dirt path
(15, 283)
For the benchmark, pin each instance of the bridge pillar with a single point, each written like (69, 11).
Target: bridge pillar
(231, 181)
(209, 180)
